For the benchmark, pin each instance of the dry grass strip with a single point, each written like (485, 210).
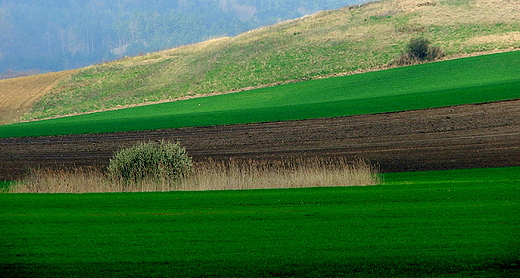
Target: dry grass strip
(212, 175)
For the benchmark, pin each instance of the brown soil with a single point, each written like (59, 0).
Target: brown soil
(466, 136)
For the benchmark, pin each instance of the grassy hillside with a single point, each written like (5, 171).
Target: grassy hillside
(478, 79)
(328, 43)
(426, 224)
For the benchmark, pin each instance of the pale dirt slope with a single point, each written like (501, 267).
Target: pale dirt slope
(17, 95)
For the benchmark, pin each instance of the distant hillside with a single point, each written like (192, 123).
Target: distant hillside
(54, 35)
(328, 43)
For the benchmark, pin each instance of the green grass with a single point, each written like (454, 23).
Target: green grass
(4, 185)
(443, 224)
(471, 80)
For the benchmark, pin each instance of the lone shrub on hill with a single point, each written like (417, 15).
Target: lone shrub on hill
(418, 50)
(165, 161)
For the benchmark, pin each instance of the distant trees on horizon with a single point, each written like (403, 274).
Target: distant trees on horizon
(55, 35)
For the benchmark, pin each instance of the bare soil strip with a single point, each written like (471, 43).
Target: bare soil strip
(466, 136)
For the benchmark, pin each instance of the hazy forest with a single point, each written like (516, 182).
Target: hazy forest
(53, 35)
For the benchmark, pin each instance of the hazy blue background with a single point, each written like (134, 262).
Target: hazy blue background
(54, 35)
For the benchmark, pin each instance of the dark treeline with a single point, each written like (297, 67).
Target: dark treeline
(52, 35)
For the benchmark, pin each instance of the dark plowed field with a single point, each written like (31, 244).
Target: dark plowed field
(467, 136)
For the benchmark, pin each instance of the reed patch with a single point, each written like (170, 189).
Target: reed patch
(211, 175)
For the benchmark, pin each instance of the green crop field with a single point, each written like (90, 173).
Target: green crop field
(444, 224)
(470, 80)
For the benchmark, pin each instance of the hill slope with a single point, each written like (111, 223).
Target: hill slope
(480, 79)
(325, 44)
(19, 94)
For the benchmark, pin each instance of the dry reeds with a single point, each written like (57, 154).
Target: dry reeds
(296, 173)
(211, 175)
(64, 181)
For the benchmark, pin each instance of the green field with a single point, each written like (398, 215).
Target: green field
(455, 223)
(470, 80)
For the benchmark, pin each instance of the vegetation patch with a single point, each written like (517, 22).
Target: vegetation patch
(155, 161)
(463, 81)
(419, 50)
(422, 224)
(5, 186)
(206, 175)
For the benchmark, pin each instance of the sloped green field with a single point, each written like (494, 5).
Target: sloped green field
(463, 81)
(455, 223)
